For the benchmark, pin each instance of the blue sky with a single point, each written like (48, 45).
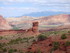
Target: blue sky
(10, 8)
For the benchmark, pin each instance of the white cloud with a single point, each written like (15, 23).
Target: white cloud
(45, 5)
(33, 9)
(38, 1)
(17, 11)
(63, 3)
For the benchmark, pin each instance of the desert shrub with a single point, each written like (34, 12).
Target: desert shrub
(12, 50)
(42, 37)
(15, 28)
(51, 51)
(15, 50)
(20, 52)
(63, 36)
(31, 37)
(1, 37)
(55, 32)
(68, 31)
(4, 50)
(13, 42)
(24, 38)
(55, 45)
(39, 51)
(67, 43)
(34, 40)
(29, 52)
(1, 45)
(16, 41)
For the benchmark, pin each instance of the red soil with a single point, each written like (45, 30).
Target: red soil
(8, 32)
(45, 46)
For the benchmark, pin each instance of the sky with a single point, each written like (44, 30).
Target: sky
(10, 8)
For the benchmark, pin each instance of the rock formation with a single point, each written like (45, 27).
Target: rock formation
(4, 24)
(34, 27)
(61, 19)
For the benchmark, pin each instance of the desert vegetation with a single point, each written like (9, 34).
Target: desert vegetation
(42, 37)
(18, 43)
(63, 36)
(48, 41)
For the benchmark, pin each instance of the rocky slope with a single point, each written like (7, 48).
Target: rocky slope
(56, 20)
(4, 25)
(51, 45)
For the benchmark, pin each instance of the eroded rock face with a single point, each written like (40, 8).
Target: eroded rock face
(4, 24)
(2, 20)
(29, 30)
(34, 27)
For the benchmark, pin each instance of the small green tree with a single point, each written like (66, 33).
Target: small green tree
(42, 37)
(11, 51)
(67, 43)
(1, 45)
(63, 36)
(55, 45)
(39, 51)
(1, 37)
(15, 50)
(68, 31)
(4, 50)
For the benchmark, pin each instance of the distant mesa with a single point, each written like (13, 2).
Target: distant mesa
(24, 22)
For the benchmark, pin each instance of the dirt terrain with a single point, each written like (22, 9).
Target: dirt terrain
(47, 45)
(53, 40)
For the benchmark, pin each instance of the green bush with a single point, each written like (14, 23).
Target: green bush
(67, 43)
(42, 37)
(4, 50)
(34, 40)
(68, 31)
(39, 51)
(1, 37)
(55, 45)
(63, 36)
(21, 52)
(29, 52)
(15, 28)
(12, 50)
(16, 41)
(1, 45)
(15, 50)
